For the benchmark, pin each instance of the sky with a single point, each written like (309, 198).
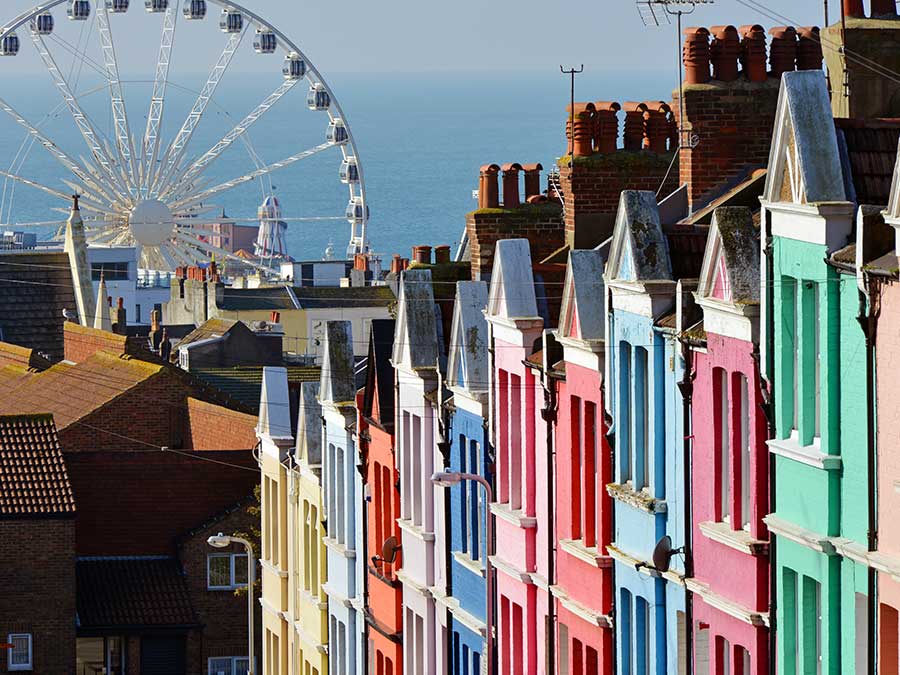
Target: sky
(355, 36)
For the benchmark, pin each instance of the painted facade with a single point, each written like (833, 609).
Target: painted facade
(818, 370)
(520, 509)
(583, 588)
(470, 452)
(343, 502)
(415, 359)
(384, 597)
(729, 459)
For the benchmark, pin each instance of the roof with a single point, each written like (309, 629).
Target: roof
(309, 424)
(735, 240)
(327, 297)
(582, 315)
(511, 294)
(213, 328)
(871, 153)
(687, 245)
(73, 391)
(22, 356)
(378, 402)
(35, 288)
(132, 592)
(248, 299)
(34, 481)
(275, 405)
(243, 383)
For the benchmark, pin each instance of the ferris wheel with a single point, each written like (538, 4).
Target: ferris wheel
(139, 185)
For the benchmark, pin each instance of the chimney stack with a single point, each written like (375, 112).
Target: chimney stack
(165, 347)
(120, 325)
(634, 125)
(809, 49)
(276, 316)
(656, 128)
(488, 188)
(396, 264)
(753, 53)
(582, 142)
(511, 183)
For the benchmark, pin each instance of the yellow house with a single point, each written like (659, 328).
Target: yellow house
(293, 564)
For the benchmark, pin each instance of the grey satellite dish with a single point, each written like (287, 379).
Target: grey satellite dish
(389, 550)
(662, 554)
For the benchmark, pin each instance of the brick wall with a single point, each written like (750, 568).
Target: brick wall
(541, 224)
(222, 613)
(591, 188)
(81, 342)
(212, 427)
(37, 565)
(732, 124)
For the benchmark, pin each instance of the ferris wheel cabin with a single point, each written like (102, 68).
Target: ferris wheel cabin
(79, 10)
(318, 98)
(42, 24)
(231, 21)
(349, 172)
(9, 45)
(265, 41)
(117, 6)
(337, 132)
(355, 211)
(195, 10)
(155, 6)
(294, 67)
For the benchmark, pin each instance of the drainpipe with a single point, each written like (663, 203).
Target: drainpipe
(491, 546)
(868, 322)
(363, 443)
(444, 448)
(686, 386)
(611, 440)
(548, 414)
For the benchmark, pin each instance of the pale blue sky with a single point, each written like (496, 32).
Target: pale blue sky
(448, 35)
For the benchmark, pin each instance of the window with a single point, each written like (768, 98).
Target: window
(563, 643)
(503, 435)
(515, 442)
(723, 655)
(417, 477)
(100, 655)
(889, 627)
(642, 636)
(742, 660)
(589, 474)
(340, 512)
(476, 502)
(701, 651)
(623, 426)
(19, 656)
(229, 665)
(641, 427)
(625, 612)
(111, 271)
(226, 571)
(575, 419)
(743, 437)
(723, 443)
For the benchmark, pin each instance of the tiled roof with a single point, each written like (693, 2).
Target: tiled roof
(243, 383)
(872, 151)
(33, 477)
(687, 245)
(132, 593)
(312, 297)
(247, 299)
(72, 391)
(209, 329)
(11, 354)
(35, 288)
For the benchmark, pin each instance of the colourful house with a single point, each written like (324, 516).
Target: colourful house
(729, 459)
(817, 367)
(520, 509)
(384, 607)
(470, 452)
(343, 501)
(646, 365)
(583, 510)
(415, 359)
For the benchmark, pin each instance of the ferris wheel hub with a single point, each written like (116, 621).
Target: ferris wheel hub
(151, 223)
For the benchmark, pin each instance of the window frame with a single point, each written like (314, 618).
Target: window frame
(9, 657)
(234, 584)
(233, 663)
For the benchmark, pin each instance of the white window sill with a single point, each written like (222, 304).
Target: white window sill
(340, 549)
(411, 528)
(273, 568)
(591, 556)
(810, 455)
(474, 566)
(517, 517)
(739, 540)
(640, 500)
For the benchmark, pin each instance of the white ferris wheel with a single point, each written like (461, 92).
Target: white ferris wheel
(140, 188)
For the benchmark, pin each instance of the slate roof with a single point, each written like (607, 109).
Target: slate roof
(133, 592)
(308, 297)
(380, 374)
(247, 299)
(34, 482)
(212, 328)
(72, 391)
(35, 288)
(468, 363)
(871, 151)
(242, 383)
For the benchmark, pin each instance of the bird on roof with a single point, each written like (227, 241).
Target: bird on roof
(70, 315)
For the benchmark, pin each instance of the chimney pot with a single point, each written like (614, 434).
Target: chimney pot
(724, 52)
(276, 316)
(488, 187)
(634, 125)
(582, 146)
(532, 179)
(405, 263)
(396, 264)
(441, 254)
(695, 55)
(809, 49)
(855, 8)
(511, 184)
(753, 53)
(656, 127)
(606, 126)
(422, 254)
(783, 51)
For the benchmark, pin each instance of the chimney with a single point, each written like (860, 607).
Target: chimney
(783, 51)
(606, 126)
(396, 264)
(582, 145)
(809, 49)
(724, 52)
(404, 264)
(165, 347)
(421, 255)
(488, 188)
(511, 183)
(532, 180)
(656, 127)
(695, 55)
(120, 325)
(441, 254)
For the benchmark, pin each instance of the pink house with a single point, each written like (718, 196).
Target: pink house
(729, 484)
(520, 508)
(583, 588)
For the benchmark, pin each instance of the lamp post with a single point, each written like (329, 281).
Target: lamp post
(447, 479)
(222, 541)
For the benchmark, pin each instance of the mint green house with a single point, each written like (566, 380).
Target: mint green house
(814, 361)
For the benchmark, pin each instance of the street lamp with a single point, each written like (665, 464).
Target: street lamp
(447, 479)
(222, 541)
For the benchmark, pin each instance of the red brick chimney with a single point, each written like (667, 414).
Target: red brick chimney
(809, 49)
(753, 53)
(696, 55)
(584, 129)
(396, 264)
(724, 52)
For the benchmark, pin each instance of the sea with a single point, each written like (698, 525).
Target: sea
(421, 139)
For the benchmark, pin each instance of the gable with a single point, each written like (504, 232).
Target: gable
(582, 312)
(640, 250)
(730, 271)
(512, 293)
(720, 285)
(338, 383)
(416, 334)
(467, 364)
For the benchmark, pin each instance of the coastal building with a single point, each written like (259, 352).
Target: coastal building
(343, 495)
(415, 359)
(519, 508)
(383, 556)
(729, 462)
(583, 588)
(470, 452)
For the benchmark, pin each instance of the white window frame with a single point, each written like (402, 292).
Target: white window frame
(233, 663)
(234, 584)
(9, 657)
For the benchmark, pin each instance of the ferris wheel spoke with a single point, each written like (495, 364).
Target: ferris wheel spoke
(88, 205)
(158, 99)
(82, 192)
(186, 175)
(210, 249)
(124, 141)
(246, 178)
(79, 54)
(176, 150)
(82, 121)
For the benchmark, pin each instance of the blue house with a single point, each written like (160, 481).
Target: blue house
(645, 318)
(470, 452)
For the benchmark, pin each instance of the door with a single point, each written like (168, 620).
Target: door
(163, 655)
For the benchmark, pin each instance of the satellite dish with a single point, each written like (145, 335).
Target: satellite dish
(389, 550)
(662, 554)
